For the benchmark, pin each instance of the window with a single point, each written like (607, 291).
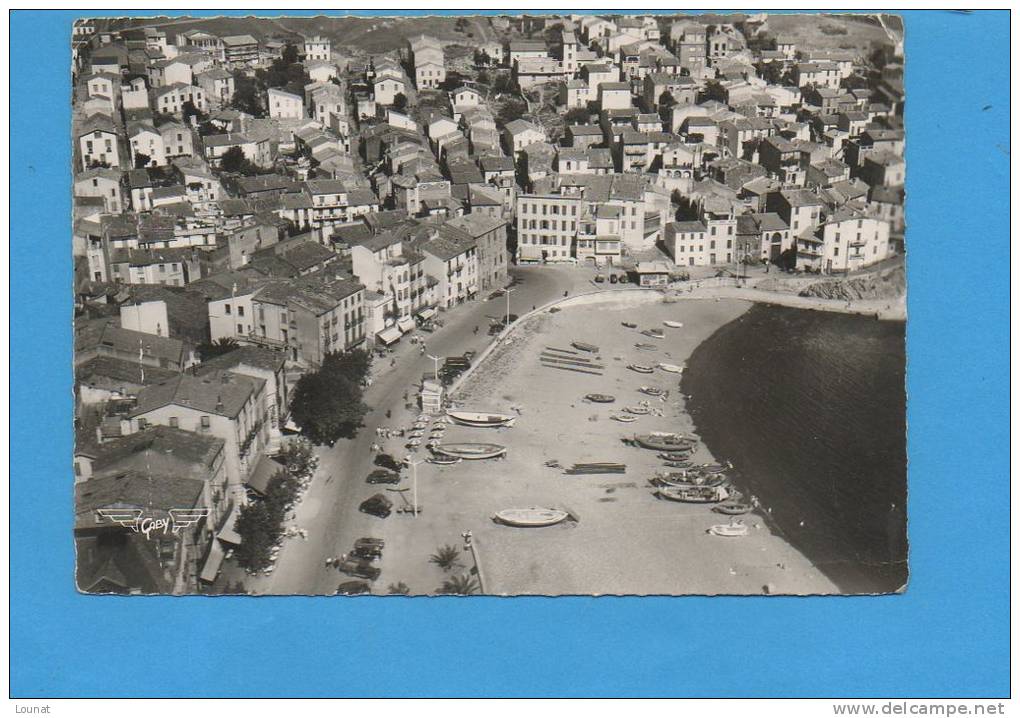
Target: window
(204, 422)
(240, 329)
(240, 310)
(173, 422)
(227, 308)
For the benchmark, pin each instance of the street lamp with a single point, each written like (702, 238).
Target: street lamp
(414, 484)
(435, 366)
(508, 291)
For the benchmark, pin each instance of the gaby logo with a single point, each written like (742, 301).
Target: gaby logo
(135, 520)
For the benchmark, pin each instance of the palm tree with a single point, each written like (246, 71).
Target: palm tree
(398, 589)
(446, 557)
(463, 585)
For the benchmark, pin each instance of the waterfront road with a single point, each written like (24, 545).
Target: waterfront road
(329, 510)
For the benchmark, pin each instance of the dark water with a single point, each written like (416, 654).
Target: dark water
(810, 407)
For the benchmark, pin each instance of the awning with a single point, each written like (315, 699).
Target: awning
(389, 335)
(427, 313)
(405, 324)
(264, 471)
(227, 533)
(213, 562)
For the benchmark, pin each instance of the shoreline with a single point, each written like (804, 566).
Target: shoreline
(632, 544)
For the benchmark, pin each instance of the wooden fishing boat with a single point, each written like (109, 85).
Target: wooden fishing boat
(685, 480)
(629, 325)
(679, 455)
(471, 451)
(481, 419)
(646, 347)
(590, 348)
(672, 324)
(677, 464)
(654, 333)
(672, 368)
(731, 529)
(693, 495)
(624, 418)
(733, 508)
(600, 398)
(652, 390)
(712, 468)
(443, 460)
(531, 517)
(641, 368)
(639, 410)
(664, 442)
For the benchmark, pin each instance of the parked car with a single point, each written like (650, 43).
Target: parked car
(497, 294)
(623, 278)
(383, 476)
(388, 462)
(368, 548)
(612, 279)
(377, 505)
(353, 588)
(360, 568)
(599, 279)
(469, 355)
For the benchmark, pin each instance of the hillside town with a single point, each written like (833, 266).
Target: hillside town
(254, 214)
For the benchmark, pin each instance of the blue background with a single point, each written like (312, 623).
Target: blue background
(947, 636)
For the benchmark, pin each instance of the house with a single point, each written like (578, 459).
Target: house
(105, 338)
(582, 136)
(284, 105)
(171, 99)
(218, 85)
(452, 259)
(614, 96)
(685, 243)
(327, 101)
(99, 143)
(169, 72)
(255, 149)
(817, 74)
(546, 226)
(317, 47)
(174, 267)
(531, 71)
(518, 134)
(105, 184)
(526, 49)
(489, 236)
(427, 59)
(882, 168)
(177, 140)
(385, 88)
(240, 50)
(800, 209)
(683, 90)
(146, 144)
(306, 317)
(221, 404)
(391, 269)
(850, 240)
(782, 159)
(574, 94)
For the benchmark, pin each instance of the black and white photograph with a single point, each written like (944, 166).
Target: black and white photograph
(489, 305)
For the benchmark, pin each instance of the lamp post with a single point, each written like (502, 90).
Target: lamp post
(508, 292)
(414, 484)
(435, 366)
(472, 546)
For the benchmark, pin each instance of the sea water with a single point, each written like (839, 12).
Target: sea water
(810, 407)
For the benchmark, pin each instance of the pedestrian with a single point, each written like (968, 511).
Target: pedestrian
(329, 562)
(476, 329)
(765, 261)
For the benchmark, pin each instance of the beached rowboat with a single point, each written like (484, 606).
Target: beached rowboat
(694, 495)
(732, 508)
(530, 518)
(641, 368)
(629, 325)
(646, 347)
(731, 529)
(678, 455)
(654, 333)
(672, 368)
(600, 398)
(481, 419)
(664, 442)
(626, 419)
(590, 348)
(445, 460)
(651, 391)
(471, 451)
(672, 324)
(639, 410)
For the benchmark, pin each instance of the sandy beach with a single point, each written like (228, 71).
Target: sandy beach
(625, 541)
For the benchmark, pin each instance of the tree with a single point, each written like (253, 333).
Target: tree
(771, 72)
(141, 160)
(233, 160)
(483, 76)
(503, 83)
(258, 532)
(577, 116)
(446, 557)
(299, 457)
(398, 589)
(328, 403)
(463, 585)
(400, 102)
(713, 91)
(188, 110)
(223, 345)
(666, 102)
(290, 54)
(247, 95)
(512, 110)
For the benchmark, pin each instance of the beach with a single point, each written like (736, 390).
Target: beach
(622, 539)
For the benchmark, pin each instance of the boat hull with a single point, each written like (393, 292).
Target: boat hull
(471, 452)
(665, 444)
(481, 420)
(530, 518)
